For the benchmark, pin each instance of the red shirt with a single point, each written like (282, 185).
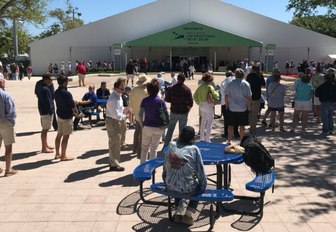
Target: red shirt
(81, 69)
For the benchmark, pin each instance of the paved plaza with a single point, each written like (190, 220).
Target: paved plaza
(83, 195)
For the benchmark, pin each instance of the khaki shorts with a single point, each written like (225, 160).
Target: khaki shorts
(7, 133)
(303, 105)
(81, 76)
(46, 121)
(130, 76)
(64, 126)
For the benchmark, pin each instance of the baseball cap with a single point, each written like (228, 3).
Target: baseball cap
(187, 134)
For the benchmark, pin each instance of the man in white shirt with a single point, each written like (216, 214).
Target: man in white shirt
(174, 79)
(114, 118)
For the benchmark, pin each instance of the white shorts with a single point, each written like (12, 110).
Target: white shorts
(7, 133)
(317, 101)
(303, 105)
(64, 126)
(46, 121)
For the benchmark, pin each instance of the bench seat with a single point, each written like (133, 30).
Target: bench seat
(261, 182)
(145, 170)
(210, 195)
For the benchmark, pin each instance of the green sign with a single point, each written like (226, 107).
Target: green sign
(270, 46)
(193, 35)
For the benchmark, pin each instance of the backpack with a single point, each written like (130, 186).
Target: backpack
(256, 156)
(163, 116)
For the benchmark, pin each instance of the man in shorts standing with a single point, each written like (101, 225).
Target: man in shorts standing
(65, 110)
(81, 72)
(238, 100)
(7, 122)
(130, 71)
(46, 109)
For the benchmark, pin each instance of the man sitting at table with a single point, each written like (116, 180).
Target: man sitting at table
(103, 92)
(85, 105)
(183, 173)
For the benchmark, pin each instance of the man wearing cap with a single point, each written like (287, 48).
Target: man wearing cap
(115, 117)
(46, 109)
(66, 109)
(138, 93)
(181, 101)
(7, 122)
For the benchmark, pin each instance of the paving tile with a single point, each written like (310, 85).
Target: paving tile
(317, 227)
(83, 195)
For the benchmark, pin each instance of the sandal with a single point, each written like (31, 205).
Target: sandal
(67, 158)
(10, 173)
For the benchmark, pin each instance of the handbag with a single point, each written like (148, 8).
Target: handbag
(163, 119)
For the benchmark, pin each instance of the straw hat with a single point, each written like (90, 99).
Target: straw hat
(143, 79)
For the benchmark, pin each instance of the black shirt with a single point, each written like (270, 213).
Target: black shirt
(64, 103)
(326, 92)
(256, 81)
(103, 93)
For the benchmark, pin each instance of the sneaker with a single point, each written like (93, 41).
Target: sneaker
(189, 221)
(117, 168)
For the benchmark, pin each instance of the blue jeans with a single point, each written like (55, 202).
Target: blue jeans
(327, 110)
(174, 118)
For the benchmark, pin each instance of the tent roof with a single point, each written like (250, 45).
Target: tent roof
(193, 34)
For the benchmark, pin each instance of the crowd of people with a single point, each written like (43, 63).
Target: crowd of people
(13, 71)
(240, 96)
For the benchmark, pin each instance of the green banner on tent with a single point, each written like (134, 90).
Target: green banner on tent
(193, 35)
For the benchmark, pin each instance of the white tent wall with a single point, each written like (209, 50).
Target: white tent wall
(165, 14)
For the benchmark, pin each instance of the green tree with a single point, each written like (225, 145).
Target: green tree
(311, 7)
(65, 20)
(6, 42)
(33, 11)
(319, 23)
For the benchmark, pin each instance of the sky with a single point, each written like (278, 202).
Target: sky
(95, 10)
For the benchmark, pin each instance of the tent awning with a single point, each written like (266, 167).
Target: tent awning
(193, 35)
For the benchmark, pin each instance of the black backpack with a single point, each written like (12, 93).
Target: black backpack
(256, 156)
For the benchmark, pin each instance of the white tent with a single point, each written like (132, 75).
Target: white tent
(95, 41)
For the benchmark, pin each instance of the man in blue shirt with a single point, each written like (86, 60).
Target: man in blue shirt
(7, 122)
(65, 110)
(46, 109)
(85, 105)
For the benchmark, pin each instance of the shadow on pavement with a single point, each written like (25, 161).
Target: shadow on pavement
(85, 174)
(19, 156)
(34, 165)
(93, 153)
(125, 181)
(21, 134)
